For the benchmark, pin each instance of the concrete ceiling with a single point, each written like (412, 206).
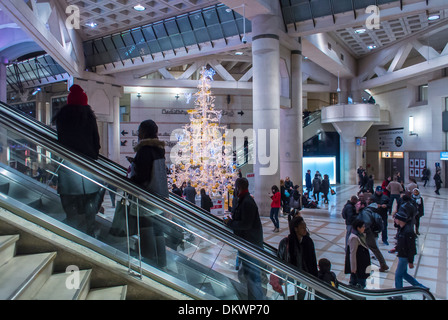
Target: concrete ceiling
(119, 15)
(399, 21)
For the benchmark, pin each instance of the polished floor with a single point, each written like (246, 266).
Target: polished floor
(327, 228)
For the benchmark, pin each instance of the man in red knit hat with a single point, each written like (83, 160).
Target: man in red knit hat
(77, 96)
(77, 129)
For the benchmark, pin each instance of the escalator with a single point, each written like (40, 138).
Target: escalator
(194, 253)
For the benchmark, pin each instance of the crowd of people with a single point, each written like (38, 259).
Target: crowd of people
(366, 216)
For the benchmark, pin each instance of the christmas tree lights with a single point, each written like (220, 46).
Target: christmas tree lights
(202, 155)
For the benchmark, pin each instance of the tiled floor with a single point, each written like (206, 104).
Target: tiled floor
(327, 228)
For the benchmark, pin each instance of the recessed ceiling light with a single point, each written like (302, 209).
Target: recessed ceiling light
(139, 7)
(359, 31)
(371, 47)
(91, 24)
(433, 17)
(239, 53)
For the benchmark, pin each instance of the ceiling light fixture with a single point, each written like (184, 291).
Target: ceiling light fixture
(360, 31)
(91, 24)
(434, 17)
(371, 47)
(239, 53)
(139, 7)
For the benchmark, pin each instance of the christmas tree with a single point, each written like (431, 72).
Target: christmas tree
(202, 155)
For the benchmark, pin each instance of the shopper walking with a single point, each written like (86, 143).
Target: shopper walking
(382, 202)
(308, 182)
(438, 181)
(374, 225)
(149, 172)
(418, 201)
(316, 187)
(349, 213)
(325, 188)
(77, 129)
(275, 207)
(395, 188)
(298, 249)
(190, 193)
(357, 257)
(406, 251)
(245, 223)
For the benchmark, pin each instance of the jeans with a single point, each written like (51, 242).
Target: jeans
(252, 274)
(392, 198)
(274, 217)
(402, 273)
(347, 234)
(357, 282)
(384, 230)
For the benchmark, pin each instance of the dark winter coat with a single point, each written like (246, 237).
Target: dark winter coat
(308, 183)
(371, 218)
(380, 200)
(206, 202)
(78, 131)
(325, 186)
(246, 222)
(149, 166)
(406, 247)
(349, 213)
(302, 255)
(149, 172)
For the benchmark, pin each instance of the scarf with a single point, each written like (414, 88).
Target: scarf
(361, 236)
(417, 198)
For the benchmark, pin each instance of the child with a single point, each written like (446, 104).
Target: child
(325, 272)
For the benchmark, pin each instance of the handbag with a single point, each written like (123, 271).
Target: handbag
(332, 192)
(118, 227)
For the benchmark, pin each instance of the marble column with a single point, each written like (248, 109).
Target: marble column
(291, 150)
(266, 107)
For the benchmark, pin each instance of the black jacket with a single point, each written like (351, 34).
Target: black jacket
(77, 129)
(381, 199)
(206, 202)
(406, 247)
(289, 250)
(246, 222)
(349, 213)
(149, 166)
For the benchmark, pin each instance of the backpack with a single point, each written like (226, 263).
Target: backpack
(377, 223)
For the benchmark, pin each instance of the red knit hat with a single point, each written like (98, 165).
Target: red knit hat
(77, 96)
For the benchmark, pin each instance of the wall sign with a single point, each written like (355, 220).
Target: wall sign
(391, 139)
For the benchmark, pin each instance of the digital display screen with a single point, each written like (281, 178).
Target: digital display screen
(325, 165)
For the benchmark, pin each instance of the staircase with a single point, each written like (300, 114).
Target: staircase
(30, 277)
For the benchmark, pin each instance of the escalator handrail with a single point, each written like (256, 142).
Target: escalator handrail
(384, 293)
(48, 130)
(126, 185)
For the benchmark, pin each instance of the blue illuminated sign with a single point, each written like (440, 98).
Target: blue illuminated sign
(444, 155)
